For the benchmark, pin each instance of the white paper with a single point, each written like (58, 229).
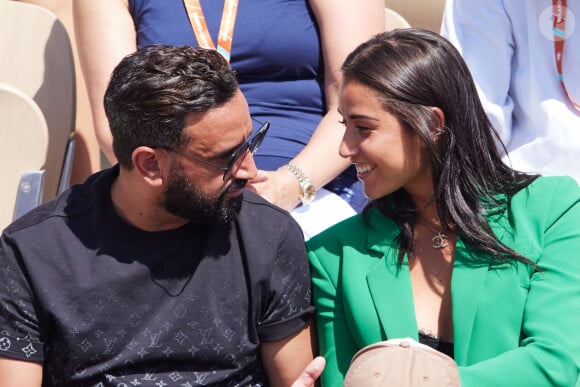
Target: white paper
(325, 210)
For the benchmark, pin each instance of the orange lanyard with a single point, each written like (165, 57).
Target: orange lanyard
(559, 28)
(226, 32)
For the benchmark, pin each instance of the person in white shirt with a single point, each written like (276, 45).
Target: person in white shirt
(510, 50)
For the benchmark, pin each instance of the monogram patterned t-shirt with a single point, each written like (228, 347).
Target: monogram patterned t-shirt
(102, 303)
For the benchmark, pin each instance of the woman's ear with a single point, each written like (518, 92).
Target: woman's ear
(438, 122)
(147, 162)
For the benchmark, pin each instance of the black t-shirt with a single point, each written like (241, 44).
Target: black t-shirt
(102, 303)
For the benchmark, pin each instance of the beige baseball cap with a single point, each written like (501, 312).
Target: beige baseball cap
(401, 363)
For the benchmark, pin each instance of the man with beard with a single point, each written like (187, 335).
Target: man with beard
(163, 270)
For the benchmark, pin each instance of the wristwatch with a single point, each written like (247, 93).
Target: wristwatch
(308, 190)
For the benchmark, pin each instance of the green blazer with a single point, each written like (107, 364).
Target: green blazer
(512, 326)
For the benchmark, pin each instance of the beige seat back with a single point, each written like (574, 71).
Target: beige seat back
(394, 20)
(425, 14)
(36, 58)
(23, 149)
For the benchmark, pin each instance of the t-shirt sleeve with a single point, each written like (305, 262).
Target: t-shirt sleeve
(289, 300)
(20, 335)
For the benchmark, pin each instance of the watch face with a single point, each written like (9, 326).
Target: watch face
(309, 192)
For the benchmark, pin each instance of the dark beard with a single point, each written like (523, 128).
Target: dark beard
(183, 199)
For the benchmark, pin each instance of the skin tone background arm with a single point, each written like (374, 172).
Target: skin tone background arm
(343, 24)
(105, 34)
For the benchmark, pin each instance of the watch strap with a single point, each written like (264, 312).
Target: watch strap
(308, 191)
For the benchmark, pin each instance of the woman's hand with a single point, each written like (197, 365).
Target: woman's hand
(278, 187)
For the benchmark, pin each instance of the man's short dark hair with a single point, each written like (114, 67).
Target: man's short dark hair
(152, 90)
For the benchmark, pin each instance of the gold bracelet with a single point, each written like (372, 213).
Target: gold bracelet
(308, 190)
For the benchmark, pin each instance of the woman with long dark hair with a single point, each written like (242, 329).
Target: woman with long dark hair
(456, 250)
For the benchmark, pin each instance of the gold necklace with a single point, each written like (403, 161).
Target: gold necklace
(431, 200)
(439, 240)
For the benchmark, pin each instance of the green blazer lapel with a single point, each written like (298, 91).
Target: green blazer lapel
(393, 301)
(468, 285)
(390, 286)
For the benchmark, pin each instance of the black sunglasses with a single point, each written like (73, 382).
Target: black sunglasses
(251, 145)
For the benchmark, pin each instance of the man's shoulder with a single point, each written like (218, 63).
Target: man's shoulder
(260, 209)
(73, 202)
(262, 223)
